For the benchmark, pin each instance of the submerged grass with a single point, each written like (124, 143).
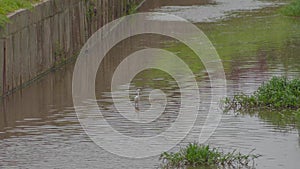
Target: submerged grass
(196, 155)
(293, 9)
(297, 119)
(282, 120)
(8, 6)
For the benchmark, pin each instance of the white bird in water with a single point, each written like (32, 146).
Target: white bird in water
(137, 99)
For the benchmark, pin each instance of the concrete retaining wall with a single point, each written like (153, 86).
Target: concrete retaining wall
(53, 31)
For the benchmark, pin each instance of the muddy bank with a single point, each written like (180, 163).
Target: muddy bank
(206, 10)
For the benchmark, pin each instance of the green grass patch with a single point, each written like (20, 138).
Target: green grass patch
(278, 94)
(196, 155)
(8, 6)
(293, 9)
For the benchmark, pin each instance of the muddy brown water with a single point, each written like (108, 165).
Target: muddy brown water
(39, 128)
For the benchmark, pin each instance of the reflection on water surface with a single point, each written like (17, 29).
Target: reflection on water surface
(39, 128)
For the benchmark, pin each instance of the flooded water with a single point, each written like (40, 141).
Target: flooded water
(39, 127)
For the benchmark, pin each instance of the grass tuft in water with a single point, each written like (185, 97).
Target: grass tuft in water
(279, 93)
(276, 101)
(196, 155)
(293, 9)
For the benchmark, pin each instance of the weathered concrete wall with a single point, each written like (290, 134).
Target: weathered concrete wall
(53, 31)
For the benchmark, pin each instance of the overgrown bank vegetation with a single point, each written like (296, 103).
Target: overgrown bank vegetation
(8, 6)
(293, 9)
(196, 155)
